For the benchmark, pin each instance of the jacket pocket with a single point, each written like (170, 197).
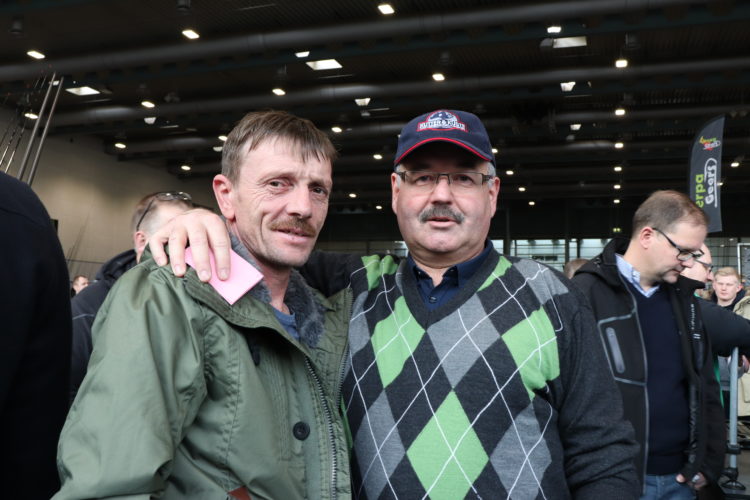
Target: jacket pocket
(614, 348)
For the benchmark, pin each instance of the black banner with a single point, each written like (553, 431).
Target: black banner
(705, 171)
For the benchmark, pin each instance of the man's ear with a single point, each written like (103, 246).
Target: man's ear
(140, 240)
(224, 193)
(395, 188)
(646, 237)
(494, 192)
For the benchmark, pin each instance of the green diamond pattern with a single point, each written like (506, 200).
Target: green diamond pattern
(502, 265)
(447, 441)
(394, 340)
(533, 345)
(376, 267)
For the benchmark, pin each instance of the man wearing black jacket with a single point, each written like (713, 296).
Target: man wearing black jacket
(652, 332)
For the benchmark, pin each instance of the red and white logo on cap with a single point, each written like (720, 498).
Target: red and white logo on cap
(441, 120)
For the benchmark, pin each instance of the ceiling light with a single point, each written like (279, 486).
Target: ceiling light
(567, 86)
(554, 29)
(509, 172)
(120, 145)
(150, 120)
(336, 129)
(575, 126)
(148, 104)
(721, 183)
(186, 168)
(218, 148)
(190, 34)
(521, 188)
(223, 138)
(324, 64)
(82, 90)
(617, 186)
(278, 91)
(494, 151)
(302, 54)
(377, 156)
(352, 195)
(621, 63)
(616, 229)
(569, 42)
(438, 77)
(378, 207)
(619, 145)
(35, 54)
(620, 112)
(734, 164)
(363, 101)
(618, 168)
(616, 201)
(386, 9)
(532, 203)
(31, 116)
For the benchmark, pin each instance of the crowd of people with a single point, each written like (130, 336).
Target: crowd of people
(252, 366)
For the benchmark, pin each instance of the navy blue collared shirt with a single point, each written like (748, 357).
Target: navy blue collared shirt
(453, 279)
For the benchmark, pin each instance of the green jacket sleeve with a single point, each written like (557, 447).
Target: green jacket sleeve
(142, 389)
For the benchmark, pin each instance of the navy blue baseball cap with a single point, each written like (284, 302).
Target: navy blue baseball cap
(461, 128)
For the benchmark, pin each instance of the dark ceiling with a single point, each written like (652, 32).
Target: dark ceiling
(688, 61)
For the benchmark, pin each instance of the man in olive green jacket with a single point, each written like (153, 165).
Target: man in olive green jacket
(189, 396)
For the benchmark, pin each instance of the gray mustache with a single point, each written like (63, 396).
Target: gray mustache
(440, 211)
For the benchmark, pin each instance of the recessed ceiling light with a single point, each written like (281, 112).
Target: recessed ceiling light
(734, 164)
(509, 172)
(554, 29)
(352, 195)
(190, 34)
(223, 138)
(386, 9)
(521, 188)
(617, 186)
(616, 201)
(616, 229)
(621, 63)
(278, 91)
(532, 203)
(438, 77)
(148, 104)
(120, 145)
(575, 126)
(620, 112)
(618, 168)
(363, 101)
(377, 156)
(324, 64)
(378, 207)
(186, 168)
(567, 86)
(619, 145)
(35, 54)
(30, 115)
(82, 90)
(569, 42)
(336, 129)
(218, 148)
(302, 54)
(494, 151)
(150, 120)
(721, 183)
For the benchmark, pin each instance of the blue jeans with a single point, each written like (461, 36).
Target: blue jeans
(666, 488)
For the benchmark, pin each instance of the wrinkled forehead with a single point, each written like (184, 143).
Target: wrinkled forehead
(436, 155)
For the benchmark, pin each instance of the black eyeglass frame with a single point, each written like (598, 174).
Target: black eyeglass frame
(165, 196)
(402, 174)
(709, 267)
(680, 250)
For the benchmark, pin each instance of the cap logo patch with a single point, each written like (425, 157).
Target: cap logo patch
(441, 120)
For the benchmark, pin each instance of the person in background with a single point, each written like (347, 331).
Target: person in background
(35, 342)
(79, 283)
(151, 212)
(570, 267)
(728, 290)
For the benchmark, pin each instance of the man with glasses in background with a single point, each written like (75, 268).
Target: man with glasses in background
(150, 214)
(470, 374)
(651, 328)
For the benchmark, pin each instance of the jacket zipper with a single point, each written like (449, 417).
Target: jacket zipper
(329, 422)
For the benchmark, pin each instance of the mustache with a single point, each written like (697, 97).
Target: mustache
(442, 212)
(299, 226)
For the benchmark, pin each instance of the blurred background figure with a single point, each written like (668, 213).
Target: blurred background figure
(570, 267)
(79, 283)
(150, 214)
(34, 344)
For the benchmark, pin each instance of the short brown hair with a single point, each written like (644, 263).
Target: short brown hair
(728, 271)
(150, 217)
(259, 126)
(664, 209)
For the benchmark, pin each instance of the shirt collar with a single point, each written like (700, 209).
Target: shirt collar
(463, 271)
(633, 277)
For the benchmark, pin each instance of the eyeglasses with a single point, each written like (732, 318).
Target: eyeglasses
(709, 267)
(682, 254)
(458, 181)
(166, 196)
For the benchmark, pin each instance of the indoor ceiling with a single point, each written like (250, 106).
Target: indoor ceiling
(688, 61)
